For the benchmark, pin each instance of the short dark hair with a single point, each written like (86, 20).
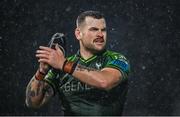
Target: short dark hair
(83, 15)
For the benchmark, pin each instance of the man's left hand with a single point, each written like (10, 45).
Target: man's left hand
(53, 57)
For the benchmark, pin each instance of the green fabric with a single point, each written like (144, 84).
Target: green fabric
(81, 99)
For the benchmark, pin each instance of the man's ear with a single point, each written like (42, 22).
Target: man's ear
(78, 33)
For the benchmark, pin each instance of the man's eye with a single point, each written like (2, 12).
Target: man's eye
(93, 29)
(104, 29)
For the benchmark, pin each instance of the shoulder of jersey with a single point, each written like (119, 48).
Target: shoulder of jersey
(72, 57)
(115, 55)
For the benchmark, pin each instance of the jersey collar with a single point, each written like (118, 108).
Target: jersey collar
(91, 58)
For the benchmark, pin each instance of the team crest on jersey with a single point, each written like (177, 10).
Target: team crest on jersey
(98, 65)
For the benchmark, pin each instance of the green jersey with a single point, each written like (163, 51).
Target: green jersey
(79, 98)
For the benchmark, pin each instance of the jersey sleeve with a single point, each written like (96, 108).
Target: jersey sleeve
(52, 80)
(120, 63)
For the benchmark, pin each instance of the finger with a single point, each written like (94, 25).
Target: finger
(44, 60)
(42, 56)
(45, 48)
(42, 52)
(43, 64)
(58, 48)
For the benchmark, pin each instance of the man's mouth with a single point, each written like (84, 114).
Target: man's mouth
(99, 40)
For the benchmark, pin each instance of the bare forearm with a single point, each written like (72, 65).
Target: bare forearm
(97, 78)
(37, 93)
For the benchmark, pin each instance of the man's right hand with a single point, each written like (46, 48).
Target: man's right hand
(43, 67)
(42, 71)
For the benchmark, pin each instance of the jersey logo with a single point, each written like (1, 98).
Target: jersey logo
(121, 64)
(98, 65)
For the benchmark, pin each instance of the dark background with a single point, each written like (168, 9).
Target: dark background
(145, 31)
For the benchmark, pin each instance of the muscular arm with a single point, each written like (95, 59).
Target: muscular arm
(106, 78)
(38, 93)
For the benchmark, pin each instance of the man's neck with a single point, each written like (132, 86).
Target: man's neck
(85, 54)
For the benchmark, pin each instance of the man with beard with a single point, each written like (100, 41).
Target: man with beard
(91, 82)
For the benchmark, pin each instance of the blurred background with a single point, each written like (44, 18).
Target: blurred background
(145, 31)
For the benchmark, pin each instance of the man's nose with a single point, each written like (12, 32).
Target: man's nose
(100, 33)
